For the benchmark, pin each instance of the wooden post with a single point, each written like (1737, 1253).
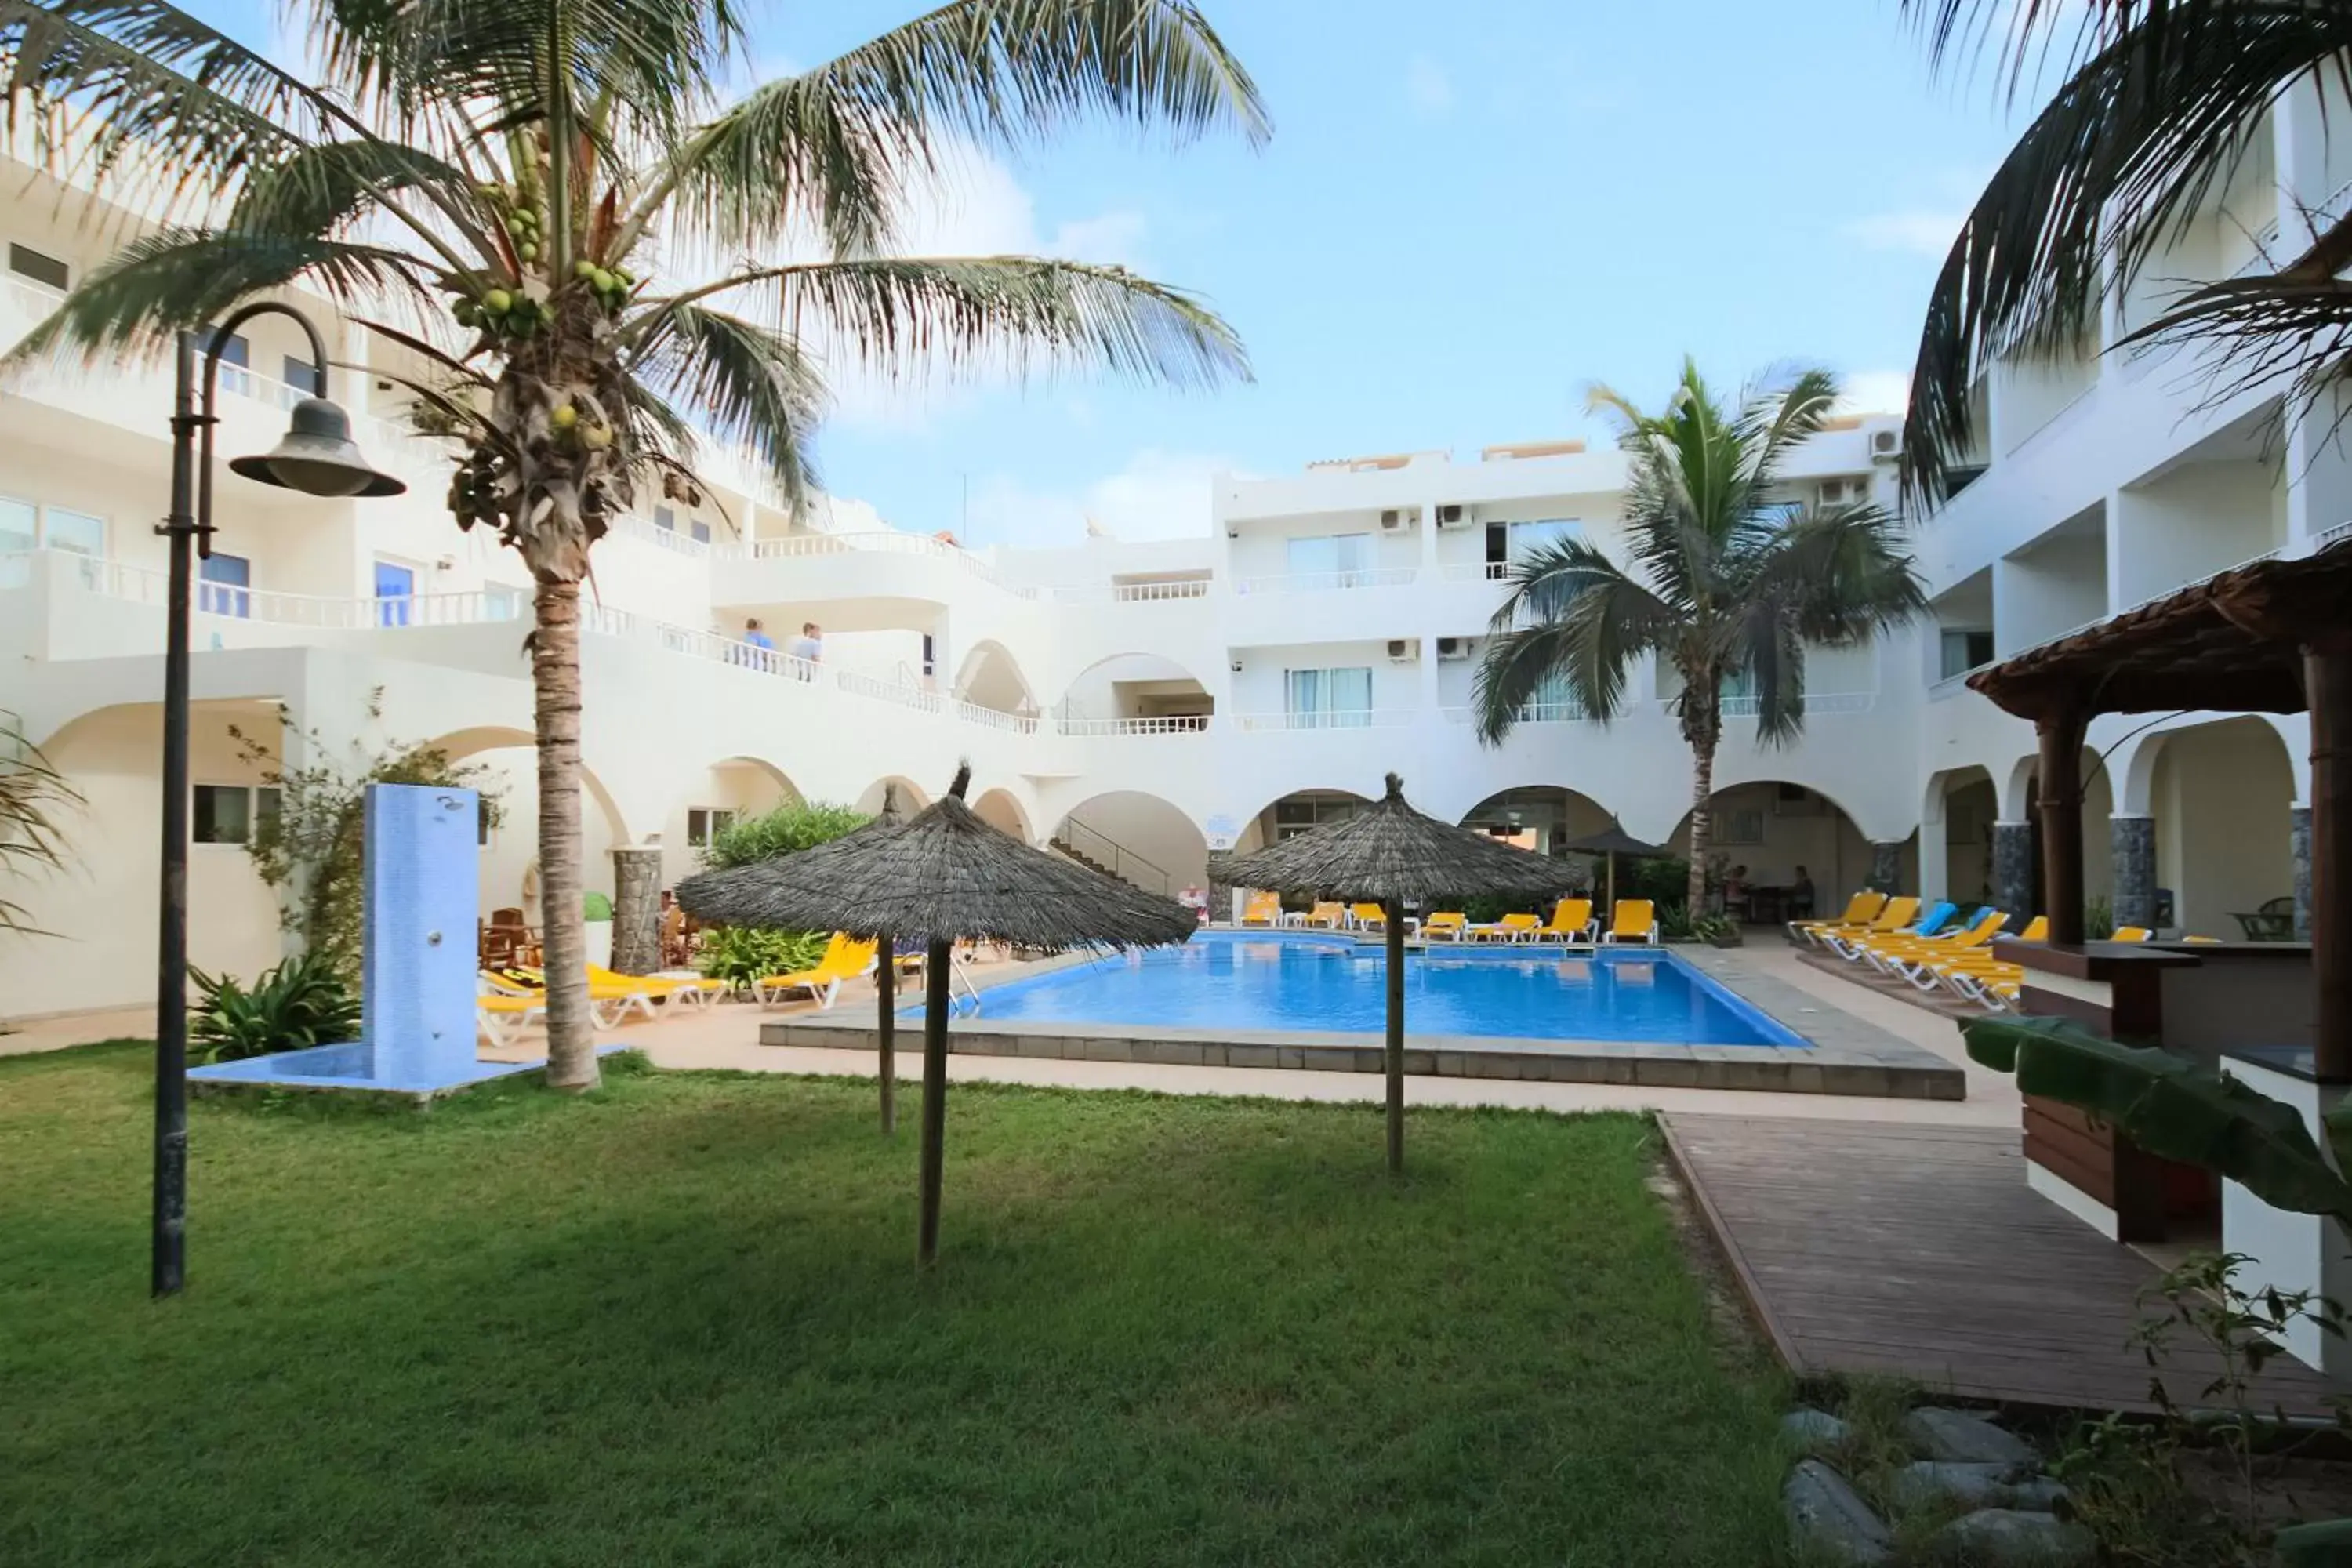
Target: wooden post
(935, 1095)
(2061, 804)
(886, 1027)
(1392, 918)
(2327, 687)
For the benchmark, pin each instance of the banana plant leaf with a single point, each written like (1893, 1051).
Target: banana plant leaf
(2328, 1544)
(2171, 1106)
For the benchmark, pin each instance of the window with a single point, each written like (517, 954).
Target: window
(1295, 815)
(228, 814)
(699, 530)
(1553, 700)
(1328, 699)
(1343, 557)
(1526, 538)
(1737, 827)
(63, 528)
(19, 525)
(1739, 683)
(224, 582)
(236, 351)
(665, 519)
(302, 376)
(501, 602)
(395, 592)
(45, 270)
(1964, 650)
(705, 823)
(931, 662)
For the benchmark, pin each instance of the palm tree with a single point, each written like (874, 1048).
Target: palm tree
(34, 797)
(506, 181)
(2160, 106)
(1729, 580)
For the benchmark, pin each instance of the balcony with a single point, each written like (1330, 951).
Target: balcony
(1174, 724)
(1348, 718)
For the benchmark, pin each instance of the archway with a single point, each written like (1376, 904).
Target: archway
(1541, 817)
(1139, 837)
(1002, 809)
(1297, 813)
(511, 851)
(1965, 804)
(2097, 832)
(1774, 835)
(2224, 799)
(706, 804)
(1134, 691)
(991, 678)
(912, 798)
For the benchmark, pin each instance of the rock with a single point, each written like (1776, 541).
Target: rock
(1830, 1518)
(1977, 1485)
(1812, 1430)
(1963, 1438)
(2000, 1538)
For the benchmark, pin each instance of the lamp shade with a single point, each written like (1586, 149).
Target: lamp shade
(318, 458)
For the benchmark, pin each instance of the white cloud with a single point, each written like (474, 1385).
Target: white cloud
(1920, 231)
(1428, 88)
(1874, 392)
(1157, 495)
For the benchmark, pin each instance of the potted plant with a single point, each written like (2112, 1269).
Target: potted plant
(597, 909)
(1719, 931)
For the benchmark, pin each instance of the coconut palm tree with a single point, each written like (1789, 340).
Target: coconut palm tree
(1728, 580)
(499, 189)
(2160, 101)
(34, 798)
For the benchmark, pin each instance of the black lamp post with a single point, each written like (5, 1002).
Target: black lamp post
(316, 457)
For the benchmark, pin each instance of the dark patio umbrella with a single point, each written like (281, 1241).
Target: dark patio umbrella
(736, 897)
(947, 875)
(1393, 853)
(1612, 841)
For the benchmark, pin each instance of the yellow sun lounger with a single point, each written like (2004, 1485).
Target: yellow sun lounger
(1633, 921)
(1571, 921)
(1860, 911)
(609, 1005)
(685, 991)
(1326, 915)
(1897, 957)
(502, 1016)
(1510, 928)
(1262, 910)
(1369, 917)
(1446, 924)
(842, 960)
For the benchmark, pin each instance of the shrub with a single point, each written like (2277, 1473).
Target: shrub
(1675, 922)
(786, 830)
(291, 1006)
(595, 905)
(737, 955)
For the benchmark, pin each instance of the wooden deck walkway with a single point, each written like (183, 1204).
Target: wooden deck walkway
(1919, 1252)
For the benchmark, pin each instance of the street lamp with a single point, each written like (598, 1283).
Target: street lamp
(316, 457)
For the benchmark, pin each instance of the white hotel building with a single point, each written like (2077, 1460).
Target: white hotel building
(1139, 702)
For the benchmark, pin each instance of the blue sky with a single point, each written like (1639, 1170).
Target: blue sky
(1466, 213)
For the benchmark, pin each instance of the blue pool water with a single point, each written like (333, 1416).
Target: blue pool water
(1226, 981)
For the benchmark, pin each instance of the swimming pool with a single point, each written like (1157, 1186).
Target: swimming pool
(1255, 982)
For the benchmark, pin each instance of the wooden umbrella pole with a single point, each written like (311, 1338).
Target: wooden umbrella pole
(886, 1028)
(935, 1096)
(1392, 918)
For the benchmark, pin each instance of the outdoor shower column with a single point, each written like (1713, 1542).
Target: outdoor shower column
(2131, 841)
(2012, 869)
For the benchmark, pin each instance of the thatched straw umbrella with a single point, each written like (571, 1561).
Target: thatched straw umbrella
(1393, 853)
(739, 895)
(1612, 841)
(944, 876)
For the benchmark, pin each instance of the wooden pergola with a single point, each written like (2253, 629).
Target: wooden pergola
(2272, 637)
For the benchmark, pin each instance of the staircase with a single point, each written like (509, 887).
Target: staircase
(1100, 852)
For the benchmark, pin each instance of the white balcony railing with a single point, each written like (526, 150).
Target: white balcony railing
(882, 690)
(1349, 718)
(1816, 702)
(1180, 724)
(996, 719)
(669, 539)
(1531, 713)
(2327, 538)
(1133, 592)
(883, 542)
(1475, 572)
(1328, 581)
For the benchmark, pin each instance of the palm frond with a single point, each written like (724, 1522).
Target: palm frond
(34, 797)
(747, 383)
(137, 98)
(1838, 576)
(1770, 650)
(836, 145)
(2162, 106)
(1017, 314)
(2294, 326)
(1574, 615)
(179, 279)
(320, 189)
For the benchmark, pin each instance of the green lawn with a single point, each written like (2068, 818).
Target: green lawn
(679, 1323)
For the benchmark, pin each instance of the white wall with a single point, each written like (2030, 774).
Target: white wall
(2194, 520)
(2222, 795)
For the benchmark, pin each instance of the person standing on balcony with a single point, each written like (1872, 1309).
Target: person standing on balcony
(757, 637)
(810, 644)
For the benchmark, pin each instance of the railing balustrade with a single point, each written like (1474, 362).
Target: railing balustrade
(1328, 581)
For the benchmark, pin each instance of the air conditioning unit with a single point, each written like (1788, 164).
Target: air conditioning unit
(1404, 650)
(1453, 648)
(1453, 517)
(1886, 444)
(1395, 520)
